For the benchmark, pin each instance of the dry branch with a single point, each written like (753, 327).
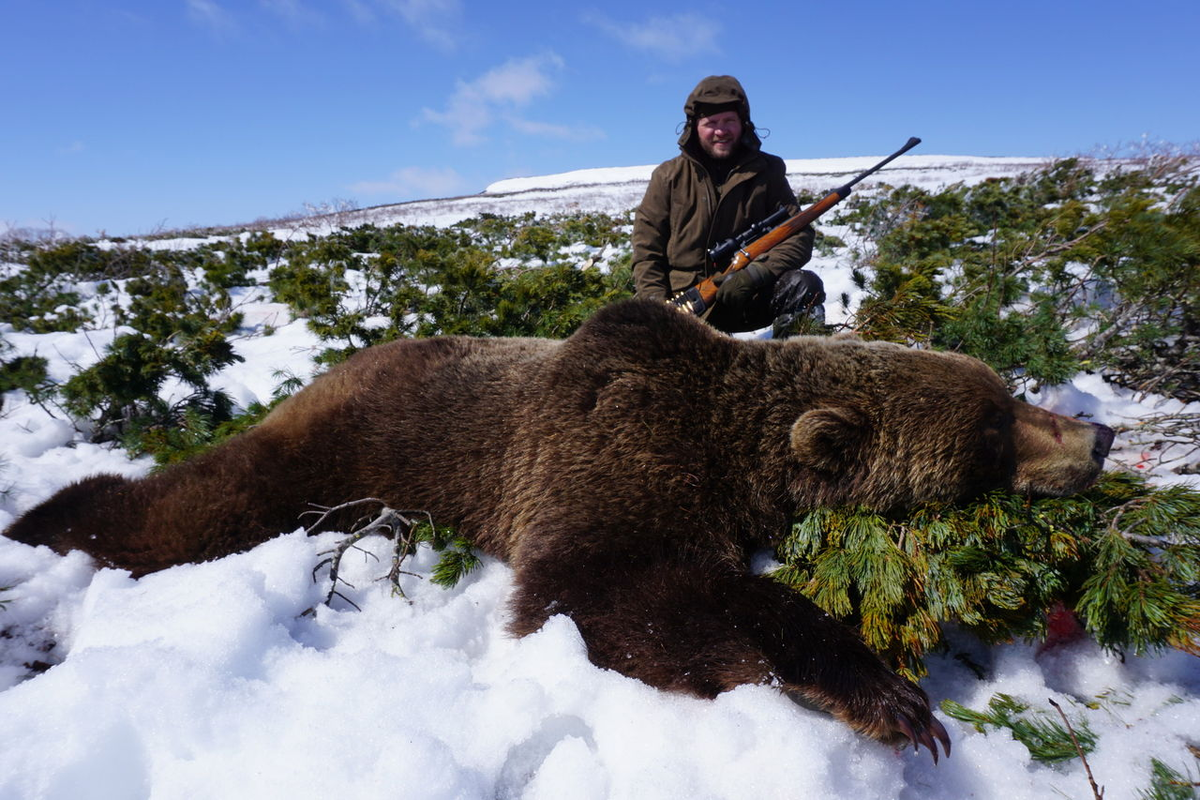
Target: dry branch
(1097, 792)
(397, 525)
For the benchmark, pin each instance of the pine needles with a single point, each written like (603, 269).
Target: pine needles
(1123, 555)
(1050, 741)
(1047, 740)
(1169, 784)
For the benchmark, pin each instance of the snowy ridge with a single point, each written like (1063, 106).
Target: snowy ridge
(801, 171)
(618, 190)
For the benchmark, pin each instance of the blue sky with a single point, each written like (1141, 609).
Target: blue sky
(126, 116)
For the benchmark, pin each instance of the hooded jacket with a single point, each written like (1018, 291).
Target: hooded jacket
(685, 212)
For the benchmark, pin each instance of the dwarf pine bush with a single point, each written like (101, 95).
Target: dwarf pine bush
(489, 276)
(179, 333)
(1076, 266)
(1123, 555)
(27, 373)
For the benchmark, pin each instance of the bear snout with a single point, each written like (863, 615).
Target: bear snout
(1057, 455)
(1104, 440)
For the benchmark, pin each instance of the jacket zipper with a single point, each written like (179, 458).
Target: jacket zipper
(710, 189)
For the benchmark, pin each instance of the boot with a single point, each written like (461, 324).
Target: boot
(803, 323)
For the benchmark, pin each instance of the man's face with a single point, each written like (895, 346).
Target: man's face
(720, 134)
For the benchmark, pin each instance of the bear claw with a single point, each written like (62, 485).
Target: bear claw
(925, 735)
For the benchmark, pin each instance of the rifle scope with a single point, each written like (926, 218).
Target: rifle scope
(719, 252)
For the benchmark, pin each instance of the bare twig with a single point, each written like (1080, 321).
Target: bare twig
(1160, 542)
(1097, 792)
(1175, 436)
(396, 525)
(1038, 248)
(1120, 511)
(1118, 324)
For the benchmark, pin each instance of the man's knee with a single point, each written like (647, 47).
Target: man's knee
(796, 291)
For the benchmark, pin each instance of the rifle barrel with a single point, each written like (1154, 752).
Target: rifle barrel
(909, 145)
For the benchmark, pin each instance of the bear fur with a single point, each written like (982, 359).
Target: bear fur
(625, 474)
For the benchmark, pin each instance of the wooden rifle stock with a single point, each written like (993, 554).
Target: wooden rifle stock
(700, 297)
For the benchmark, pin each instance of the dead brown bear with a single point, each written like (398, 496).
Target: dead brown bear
(625, 474)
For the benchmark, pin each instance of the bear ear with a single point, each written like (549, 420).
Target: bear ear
(830, 439)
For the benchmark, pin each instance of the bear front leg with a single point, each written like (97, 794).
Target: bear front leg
(852, 683)
(707, 629)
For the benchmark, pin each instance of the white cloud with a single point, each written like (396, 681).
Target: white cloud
(433, 20)
(549, 130)
(518, 81)
(360, 10)
(672, 38)
(293, 11)
(495, 98)
(429, 181)
(436, 21)
(211, 15)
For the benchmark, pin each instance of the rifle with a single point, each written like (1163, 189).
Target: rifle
(750, 245)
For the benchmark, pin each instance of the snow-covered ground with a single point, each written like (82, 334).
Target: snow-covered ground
(207, 681)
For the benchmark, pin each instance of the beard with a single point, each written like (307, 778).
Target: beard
(719, 151)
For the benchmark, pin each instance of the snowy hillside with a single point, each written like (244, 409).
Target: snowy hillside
(208, 681)
(614, 190)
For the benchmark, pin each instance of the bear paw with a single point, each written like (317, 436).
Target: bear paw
(925, 734)
(900, 713)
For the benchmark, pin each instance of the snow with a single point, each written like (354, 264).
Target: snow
(616, 190)
(209, 681)
(801, 171)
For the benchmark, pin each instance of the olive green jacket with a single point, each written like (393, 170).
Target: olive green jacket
(684, 213)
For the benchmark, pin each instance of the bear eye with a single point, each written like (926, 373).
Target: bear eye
(998, 419)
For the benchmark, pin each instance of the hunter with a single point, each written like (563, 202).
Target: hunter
(720, 184)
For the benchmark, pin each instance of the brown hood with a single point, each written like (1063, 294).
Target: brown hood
(718, 90)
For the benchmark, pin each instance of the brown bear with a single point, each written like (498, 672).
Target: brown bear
(626, 474)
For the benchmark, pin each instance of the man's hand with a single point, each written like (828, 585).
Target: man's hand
(737, 288)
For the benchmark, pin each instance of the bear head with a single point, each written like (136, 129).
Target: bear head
(888, 426)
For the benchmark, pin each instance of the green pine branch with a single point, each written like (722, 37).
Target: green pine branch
(1047, 740)
(1124, 555)
(457, 559)
(1169, 784)
(1051, 741)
